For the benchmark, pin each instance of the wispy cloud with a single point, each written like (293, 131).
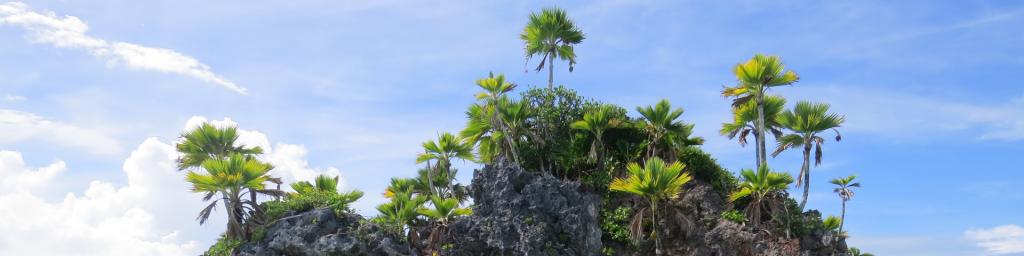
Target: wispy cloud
(70, 32)
(1006, 239)
(19, 126)
(14, 98)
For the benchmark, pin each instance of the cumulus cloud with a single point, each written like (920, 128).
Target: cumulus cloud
(152, 214)
(18, 126)
(70, 32)
(1004, 239)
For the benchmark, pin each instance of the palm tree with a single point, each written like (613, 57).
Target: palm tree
(807, 120)
(662, 128)
(229, 177)
(442, 151)
(760, 188)
(856, 252)
(551, 34)
(845, 192)
(596, 122)
(655, 181)
(329, 185)
(756, 77)
(401, 213)
(445, 209)
(486, 127)
(210, 142)
(745, 116)
(514, 115)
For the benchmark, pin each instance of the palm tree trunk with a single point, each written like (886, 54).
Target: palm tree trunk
(451, 180)
(759, 130)
(842, 218)
(654, 218)
(551, 71)
(805, 169)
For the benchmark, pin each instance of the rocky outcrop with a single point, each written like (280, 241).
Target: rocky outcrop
(322, 232)
(521, 213)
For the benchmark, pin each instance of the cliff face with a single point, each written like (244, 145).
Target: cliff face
(522, 213)
(322, 232)
(519, 213)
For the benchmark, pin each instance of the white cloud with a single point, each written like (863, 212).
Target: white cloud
(1004, 239)
(14, 98)
(19, 177)
(904, 116)
(17, 126)
(70, 32)
(153, 214)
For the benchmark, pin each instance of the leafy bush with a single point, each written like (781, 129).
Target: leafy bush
(615, 224)
(224, 247)
(309, 200)
(735, 216)
(704, 167)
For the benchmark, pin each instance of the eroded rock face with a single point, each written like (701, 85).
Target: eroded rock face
(520, 213)
(322, 232)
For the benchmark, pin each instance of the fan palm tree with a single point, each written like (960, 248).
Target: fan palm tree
(551, 34)
(442, 151)
(856, 252)
(481, 132)
(806, 121)
(444, 210)
(596, 122)
(845, 191)
(210, 142)
(320, 183)
(401, 212)
(760, 187)
(486, 128)
(655, 181)
(663, 130)
(229, 177)
(756, 77)
(745, 116)
(514, 115)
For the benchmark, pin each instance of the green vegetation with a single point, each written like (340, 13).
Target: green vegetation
(223, 247)
(755, 77)
(807, 120)
(762, 189)
(551, 34)
(615, 224)
(845, 192)
(856, 252)
(323, 193)
(735, 216)
(655, 181)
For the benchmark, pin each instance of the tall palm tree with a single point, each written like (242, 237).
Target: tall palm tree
(443, 151)
(551, 34)
(229, 177)
(856, 252)
(596, 122)
(655, 181)
(806, 121)
(761, 188)
(486, 127)
(756, 77)
(845, 191)
(662, 128)
(443, 211)
(745, 116)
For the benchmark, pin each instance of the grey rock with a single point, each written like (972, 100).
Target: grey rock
(521, 213)
(322, 232)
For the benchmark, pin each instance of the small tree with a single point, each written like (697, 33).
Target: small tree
(759, 187)
(655, 181)
(845, 191)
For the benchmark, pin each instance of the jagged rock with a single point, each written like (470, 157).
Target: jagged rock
(520, 213)
(322, 232)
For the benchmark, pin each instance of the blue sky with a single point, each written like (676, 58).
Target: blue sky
(94, 94)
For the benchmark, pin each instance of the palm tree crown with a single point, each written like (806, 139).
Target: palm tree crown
(665, 132)
(759, 187)
(745, 116)
(655, 181)
(229, 177)
(551, 34)
(807, 120)
(596, 122)
(208, 141)
(755, 77)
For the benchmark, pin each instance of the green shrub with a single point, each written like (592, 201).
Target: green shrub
(735, 216)
(702, 166)
(309, 200)
(223, 247)
(615, 224)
